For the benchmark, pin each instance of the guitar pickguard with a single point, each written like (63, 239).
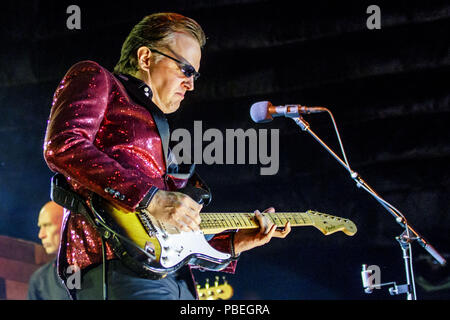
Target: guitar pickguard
(177, 246)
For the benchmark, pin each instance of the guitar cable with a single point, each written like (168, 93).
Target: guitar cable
(104, 270)
(103, 236)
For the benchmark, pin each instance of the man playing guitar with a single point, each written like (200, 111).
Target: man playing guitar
(105, 135)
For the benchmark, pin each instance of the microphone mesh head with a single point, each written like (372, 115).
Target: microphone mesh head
(259, 112)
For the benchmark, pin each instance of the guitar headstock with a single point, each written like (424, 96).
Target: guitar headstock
(329, 224)
(218, 291)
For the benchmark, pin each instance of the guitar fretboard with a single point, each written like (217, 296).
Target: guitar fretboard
(217, 222)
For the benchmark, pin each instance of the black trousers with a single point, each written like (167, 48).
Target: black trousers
(124, 284)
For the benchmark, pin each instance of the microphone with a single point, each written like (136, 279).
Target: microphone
(264, 111)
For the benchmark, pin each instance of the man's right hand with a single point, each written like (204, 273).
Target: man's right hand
(175, 208)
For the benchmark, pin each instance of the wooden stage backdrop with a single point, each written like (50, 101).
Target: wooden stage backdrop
(18, 260)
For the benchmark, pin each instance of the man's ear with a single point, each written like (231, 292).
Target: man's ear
(144, 58)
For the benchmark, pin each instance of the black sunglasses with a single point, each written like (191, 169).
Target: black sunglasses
(186, 68)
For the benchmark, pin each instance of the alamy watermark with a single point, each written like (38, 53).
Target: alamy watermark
(74, 20)
(236, 146)
(73, 277)
(371, 277)
(374, 20)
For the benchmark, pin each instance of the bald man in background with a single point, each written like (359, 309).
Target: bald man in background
(45, 284)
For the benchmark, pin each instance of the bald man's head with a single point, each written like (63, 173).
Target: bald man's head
(49, 223)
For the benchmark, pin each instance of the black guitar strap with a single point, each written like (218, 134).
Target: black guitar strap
(62, 194)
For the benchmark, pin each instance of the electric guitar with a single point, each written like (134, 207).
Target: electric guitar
(218, 291)
(155, 249)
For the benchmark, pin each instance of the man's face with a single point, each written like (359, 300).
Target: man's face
(167, 81)
(49, 224)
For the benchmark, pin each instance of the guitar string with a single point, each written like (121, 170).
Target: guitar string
(241, 220)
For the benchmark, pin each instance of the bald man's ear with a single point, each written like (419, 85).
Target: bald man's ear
(144, 56)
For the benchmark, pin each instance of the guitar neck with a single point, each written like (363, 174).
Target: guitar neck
(213, 223)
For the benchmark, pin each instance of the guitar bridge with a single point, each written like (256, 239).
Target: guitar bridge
(147, 223)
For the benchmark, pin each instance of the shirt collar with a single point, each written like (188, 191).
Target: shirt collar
(134, 84)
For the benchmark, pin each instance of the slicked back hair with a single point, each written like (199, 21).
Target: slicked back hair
(155, 31)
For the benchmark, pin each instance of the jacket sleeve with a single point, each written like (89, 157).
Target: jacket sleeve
(79, 106)
(222, 242)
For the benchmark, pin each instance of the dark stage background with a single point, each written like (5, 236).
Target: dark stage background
(388, 90)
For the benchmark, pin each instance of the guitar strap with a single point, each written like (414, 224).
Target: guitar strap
(62, 194)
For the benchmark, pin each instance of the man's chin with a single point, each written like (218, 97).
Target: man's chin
(50, 251)
(172, 108)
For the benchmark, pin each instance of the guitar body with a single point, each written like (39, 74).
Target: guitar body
(153, 247)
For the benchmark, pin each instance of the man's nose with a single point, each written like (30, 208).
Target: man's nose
(189, 84)
(42, 234)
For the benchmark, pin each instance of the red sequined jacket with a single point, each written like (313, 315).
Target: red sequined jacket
(101, 140)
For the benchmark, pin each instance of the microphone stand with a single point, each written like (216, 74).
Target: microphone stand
(407, 237)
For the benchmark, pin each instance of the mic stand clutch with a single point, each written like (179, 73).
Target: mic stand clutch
(406, 238)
